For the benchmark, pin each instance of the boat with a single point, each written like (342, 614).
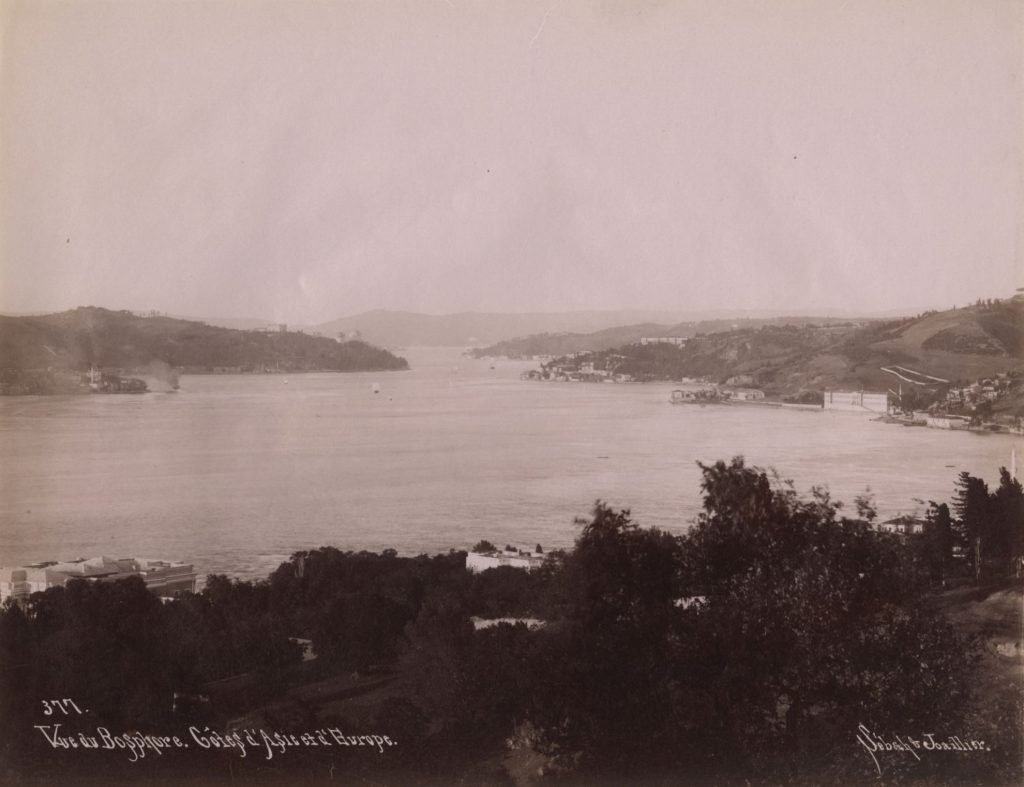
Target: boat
(376, 388)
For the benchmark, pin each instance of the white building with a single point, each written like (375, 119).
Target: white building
(746, 394)
(679, 341)
(163, 577)
(857, 401)
(902, 525)
(481, 561)
(947, 422)
(485, 623)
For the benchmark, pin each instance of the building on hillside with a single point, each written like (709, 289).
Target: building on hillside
(163, 577)
(516, 558)
(857, 401)
(746, 394)
(678, 341)
(902, 525)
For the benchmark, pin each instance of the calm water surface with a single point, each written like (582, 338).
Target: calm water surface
(234, 473)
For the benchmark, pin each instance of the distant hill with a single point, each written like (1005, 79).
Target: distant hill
(90, 336)
(466, 329)
(957, 345)
(565, 343)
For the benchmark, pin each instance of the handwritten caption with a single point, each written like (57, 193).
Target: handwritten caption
(906, 744)
(137, 745)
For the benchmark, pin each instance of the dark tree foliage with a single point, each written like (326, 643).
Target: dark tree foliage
(1007, 504)
(122, 654)
(799, 645)
(991, 524)
(746, 651)
(938, 542)
(507, 591)
(807, 625)
(360, 630)
(600, 677)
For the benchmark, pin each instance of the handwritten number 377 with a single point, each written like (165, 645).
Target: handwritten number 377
(65, 706)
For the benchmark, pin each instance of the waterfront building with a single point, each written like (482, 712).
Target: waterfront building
(162, 577)
(946, 421)
(857, 401)
(746, 394)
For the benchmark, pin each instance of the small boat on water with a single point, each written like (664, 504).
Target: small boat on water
(376, 388)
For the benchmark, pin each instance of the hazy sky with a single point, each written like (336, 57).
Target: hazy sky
(301, 161)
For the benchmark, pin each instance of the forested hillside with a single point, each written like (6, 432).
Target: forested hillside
(956, 345)
(89, 336)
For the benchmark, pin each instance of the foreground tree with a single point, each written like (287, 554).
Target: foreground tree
(811, 626)
(748, 650)
(938, 541)
(602, 674)
(992, 524)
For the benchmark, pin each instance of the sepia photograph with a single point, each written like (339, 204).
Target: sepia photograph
(512, 393)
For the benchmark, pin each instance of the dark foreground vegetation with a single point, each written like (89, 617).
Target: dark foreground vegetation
(782, 640)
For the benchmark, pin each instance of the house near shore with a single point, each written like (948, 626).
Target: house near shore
(746, 394)
(946, 421)
(515, 558)
(162, 577)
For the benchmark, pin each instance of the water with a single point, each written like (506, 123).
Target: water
(234, 473)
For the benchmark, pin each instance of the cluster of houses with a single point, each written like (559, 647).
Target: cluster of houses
(572, 371)
(969, 407)
(716, 395)
(987, 390)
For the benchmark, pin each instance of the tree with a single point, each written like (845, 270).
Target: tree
(993, 524)
(360, 630)
(484, 546)
(938, 533)
(1007, 511)
(971, 503)
(806, 628)
(601, 676)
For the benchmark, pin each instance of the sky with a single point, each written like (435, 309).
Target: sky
(301, 161)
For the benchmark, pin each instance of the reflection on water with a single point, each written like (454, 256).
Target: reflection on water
(236, 472)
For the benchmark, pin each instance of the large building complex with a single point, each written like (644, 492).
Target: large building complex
(857, 401)
(164, 578)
